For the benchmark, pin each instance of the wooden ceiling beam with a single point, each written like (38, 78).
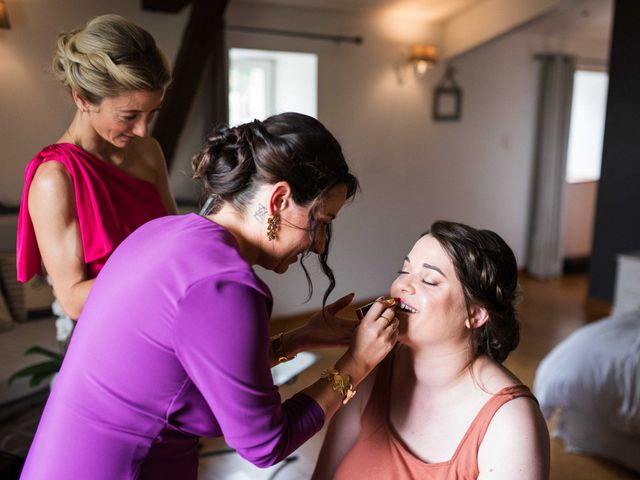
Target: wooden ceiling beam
(203, 34)
(167, 6)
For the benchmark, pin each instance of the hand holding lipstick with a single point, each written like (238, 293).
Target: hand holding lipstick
(389, 302)
(376, 334)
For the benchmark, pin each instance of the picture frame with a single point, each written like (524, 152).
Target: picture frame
(447, 99)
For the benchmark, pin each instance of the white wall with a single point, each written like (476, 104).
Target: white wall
(412, 170)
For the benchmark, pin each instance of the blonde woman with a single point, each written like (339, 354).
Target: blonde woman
(104, 176)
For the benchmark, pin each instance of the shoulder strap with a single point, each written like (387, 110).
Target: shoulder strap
(478, 428)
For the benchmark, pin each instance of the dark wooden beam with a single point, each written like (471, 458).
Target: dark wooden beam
(202, 35)
(167, 6)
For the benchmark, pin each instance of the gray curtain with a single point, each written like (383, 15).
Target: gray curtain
(545, 254)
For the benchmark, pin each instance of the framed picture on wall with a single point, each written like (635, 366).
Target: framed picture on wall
(447, 98)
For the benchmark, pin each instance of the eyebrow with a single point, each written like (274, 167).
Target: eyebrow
(429, 266)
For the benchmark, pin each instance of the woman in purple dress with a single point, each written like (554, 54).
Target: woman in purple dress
(176, 343)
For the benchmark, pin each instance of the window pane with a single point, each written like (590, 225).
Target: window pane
(250, 83)
(586, 130)
(263, 83)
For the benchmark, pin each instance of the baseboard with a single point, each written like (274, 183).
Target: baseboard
(575, 265)
(597, 308)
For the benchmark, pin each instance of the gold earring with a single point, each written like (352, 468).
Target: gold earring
(467, 323)
(273, 223)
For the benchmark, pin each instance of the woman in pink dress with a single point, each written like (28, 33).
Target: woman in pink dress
(105, 176)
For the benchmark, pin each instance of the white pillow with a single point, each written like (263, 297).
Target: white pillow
(596, 371)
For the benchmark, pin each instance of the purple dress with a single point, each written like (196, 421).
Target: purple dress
(172, 344)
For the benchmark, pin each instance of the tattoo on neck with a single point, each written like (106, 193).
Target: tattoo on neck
(261, 213)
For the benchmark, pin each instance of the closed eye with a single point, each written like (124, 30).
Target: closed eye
(429, 283)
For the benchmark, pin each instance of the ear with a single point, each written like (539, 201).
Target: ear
(479, 316)
(279, 198)
(82, 104)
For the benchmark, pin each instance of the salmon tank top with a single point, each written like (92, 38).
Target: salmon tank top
(379, 453)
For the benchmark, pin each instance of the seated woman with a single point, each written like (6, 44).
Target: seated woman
(441, 405)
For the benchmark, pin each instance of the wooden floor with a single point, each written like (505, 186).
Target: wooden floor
(550, 310)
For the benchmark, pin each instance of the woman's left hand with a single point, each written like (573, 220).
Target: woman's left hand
(325, 328)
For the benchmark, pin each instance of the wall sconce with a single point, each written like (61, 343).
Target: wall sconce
(4, 16)
(422, 57)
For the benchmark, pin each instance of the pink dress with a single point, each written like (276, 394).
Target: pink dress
(110, 204)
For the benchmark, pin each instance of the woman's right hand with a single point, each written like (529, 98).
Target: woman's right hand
(374, 338)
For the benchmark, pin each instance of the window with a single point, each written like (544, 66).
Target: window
(263, 83)
(586, 129)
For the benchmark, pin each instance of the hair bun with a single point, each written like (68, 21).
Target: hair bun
(108, 56)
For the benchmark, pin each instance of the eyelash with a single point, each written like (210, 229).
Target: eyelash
(402, 272)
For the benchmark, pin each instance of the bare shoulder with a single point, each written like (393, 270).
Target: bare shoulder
(516, 444)
(51, 195)
(514, 415)
(51, 177)
(492, 376)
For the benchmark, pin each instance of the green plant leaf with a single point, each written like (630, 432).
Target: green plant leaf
(37, 379)
(43, 351)
(43, 368)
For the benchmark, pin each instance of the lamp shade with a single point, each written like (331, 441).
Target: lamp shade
(4, 16)
(422, 57)
(427, 53)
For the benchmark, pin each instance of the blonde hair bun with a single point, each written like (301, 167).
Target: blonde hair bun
(108, 56)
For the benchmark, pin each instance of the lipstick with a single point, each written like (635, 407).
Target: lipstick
(388, 302)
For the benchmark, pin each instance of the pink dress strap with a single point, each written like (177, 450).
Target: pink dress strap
(110, 205)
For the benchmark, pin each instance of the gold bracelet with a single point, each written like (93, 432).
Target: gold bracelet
(340, 383)
(277, 347)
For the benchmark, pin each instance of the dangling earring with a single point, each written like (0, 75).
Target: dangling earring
(273, 223)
